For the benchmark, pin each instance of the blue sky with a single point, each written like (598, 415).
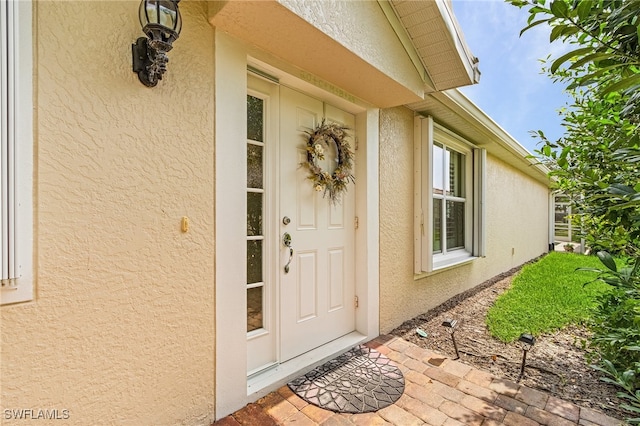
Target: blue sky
(512, 90)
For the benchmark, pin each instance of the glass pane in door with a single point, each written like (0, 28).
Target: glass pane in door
(255, 118)
(255, 212)
(255, 167)
(254, 308)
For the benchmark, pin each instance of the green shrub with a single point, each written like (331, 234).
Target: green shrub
(616, 328)
(616, 322)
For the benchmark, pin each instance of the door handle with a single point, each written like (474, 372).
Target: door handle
(286, 240)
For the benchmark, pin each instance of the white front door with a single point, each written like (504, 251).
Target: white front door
(317, 293)
(300, 296)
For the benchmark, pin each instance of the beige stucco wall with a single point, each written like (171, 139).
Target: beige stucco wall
(350, 24)
(516, 227)
(367, 60)
(122, 328)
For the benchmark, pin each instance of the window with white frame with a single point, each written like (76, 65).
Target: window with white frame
(449, 193)
(16, 148)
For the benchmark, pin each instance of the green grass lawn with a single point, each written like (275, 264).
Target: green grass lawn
(546, 296)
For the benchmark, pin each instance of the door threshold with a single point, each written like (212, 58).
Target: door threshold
(272, 378)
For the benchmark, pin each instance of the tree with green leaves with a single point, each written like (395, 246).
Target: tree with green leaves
(605, 33)
(596, 162)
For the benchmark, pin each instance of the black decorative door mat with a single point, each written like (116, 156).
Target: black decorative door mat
(361, 380)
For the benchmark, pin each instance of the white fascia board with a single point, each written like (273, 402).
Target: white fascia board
(469, 61)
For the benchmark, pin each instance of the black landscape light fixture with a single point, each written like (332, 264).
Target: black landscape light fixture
(450, 325)
(527, 341)
(161, 22)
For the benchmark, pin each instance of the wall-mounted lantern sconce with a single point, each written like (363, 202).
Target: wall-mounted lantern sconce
(161, 22)
(527, 341)
(450, 325)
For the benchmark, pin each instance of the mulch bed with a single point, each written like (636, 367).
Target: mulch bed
(556, 364)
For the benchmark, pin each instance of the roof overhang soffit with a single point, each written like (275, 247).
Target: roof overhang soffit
(434, 41)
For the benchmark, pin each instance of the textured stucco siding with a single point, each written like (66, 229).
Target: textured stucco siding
(516, 227)
(122, 327)
(517, 217)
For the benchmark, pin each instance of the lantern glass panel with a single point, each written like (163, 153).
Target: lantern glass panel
(163, 12)
(168, 14)
(147, 12)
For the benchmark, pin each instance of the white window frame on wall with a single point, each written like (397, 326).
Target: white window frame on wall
(16, 140)
(425, 260)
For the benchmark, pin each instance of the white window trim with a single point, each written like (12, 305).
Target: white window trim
(16, 102)
(425, 261)
(479, 206)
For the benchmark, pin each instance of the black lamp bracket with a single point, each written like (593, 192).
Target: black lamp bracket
(148, 63)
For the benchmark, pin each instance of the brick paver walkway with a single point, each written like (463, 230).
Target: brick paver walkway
(438, 391)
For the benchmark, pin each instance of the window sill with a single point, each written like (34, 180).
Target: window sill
(444, 263)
